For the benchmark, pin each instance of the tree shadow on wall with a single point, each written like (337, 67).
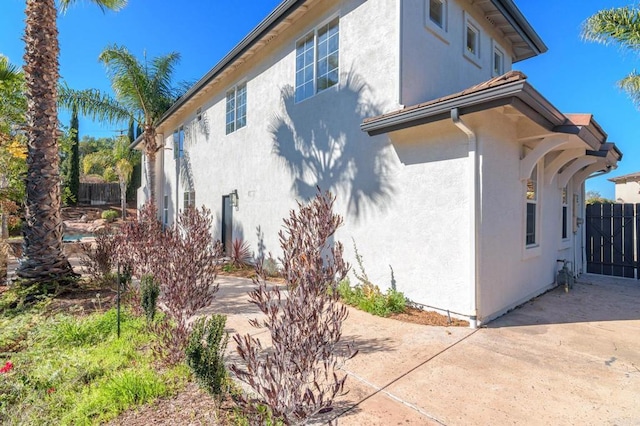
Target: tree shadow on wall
(320, 142)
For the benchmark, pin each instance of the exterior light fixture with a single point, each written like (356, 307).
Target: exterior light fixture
(234, 198)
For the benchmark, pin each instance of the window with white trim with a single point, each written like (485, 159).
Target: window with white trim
(236, 117)
(565, 213)
(471, 39)
(498, 61)
(178, 143)
(165, 211)
(317, 60)
(189, 199)
(532, 213)
(438, 13)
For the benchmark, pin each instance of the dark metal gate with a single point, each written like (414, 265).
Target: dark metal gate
(612, 239)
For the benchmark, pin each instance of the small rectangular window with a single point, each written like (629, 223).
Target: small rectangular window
(236, 116)
(189, 199)
(199, 114)
(565, 214)
(437, 12)
(178, 143)
(317, 61)
(498, 62)
(165, 211)
(532, 208)
(472, 40)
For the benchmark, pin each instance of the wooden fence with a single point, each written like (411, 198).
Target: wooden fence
(98, 193)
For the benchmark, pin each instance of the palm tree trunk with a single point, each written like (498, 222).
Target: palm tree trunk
(43, 258)
(150, 154)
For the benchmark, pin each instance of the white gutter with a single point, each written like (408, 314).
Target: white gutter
(473, 214)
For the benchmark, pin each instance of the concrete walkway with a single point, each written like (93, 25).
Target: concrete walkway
(563, 358)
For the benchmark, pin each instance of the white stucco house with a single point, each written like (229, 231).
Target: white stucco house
(627, 188)
(448, 167)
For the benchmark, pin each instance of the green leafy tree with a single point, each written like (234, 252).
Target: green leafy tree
(43, 259)
(619, 26)
(12, 143)
(143, 92)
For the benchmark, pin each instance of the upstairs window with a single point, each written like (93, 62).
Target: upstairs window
(472, 40)
(236, 117)
(498, 61)
(438, 13)
(317, 60)
(178, 143)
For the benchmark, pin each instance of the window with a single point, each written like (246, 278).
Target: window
(199, 114)
(236, 108)
(165, 211)
(438, 13)
(472, 40)
(565, 214)
(317, 61)
(189, 199)
(498, 61)
(178, 143)
(532, 208)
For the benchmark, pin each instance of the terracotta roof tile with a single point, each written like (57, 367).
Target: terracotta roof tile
(506, 78)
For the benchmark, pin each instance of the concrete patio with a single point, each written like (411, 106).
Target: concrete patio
(562, 358)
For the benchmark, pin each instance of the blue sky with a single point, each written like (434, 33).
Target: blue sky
(574, 75)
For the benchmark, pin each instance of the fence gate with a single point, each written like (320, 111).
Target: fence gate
(612, 239)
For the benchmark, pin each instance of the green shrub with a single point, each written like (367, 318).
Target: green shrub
(150, 291)
(110, 215)
(370, 299)
(205, 353)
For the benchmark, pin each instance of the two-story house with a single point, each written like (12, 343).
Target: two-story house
(448, 167)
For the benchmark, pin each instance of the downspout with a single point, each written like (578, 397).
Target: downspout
(474, 183)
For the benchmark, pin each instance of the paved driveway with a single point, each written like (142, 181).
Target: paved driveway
(560, 359)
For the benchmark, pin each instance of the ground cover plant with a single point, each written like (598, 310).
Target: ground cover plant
(367, 296)
(72, 369)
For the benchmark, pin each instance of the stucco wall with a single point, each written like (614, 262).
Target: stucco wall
(628, 192)
(288, 148)
(510, 274)
(433, 62)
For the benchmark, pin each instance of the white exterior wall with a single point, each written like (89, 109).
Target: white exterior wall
(628, 192)
(320, 141)
(433, 61)
(511, 274)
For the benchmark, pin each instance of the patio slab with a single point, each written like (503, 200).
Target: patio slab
(562, 358)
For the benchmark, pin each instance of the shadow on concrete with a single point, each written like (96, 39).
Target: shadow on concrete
(321, 144)
(594, 298)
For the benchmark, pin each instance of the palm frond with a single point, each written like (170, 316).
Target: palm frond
(8, 71)
(129, 79)
(94, 104)
(631, 85)
(618, 25)
(104, 5)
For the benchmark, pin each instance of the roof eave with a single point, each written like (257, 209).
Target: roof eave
(520, 24)
(273, 19)
(519, 94)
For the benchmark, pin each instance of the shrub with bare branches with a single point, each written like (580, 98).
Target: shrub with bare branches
(99, 256)
(298, 377)
(183, 261)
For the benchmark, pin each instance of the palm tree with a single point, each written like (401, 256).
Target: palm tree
(143, 92)
(124, 169)
(618, 26)
(43, 258)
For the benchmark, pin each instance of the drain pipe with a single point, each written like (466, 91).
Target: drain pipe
(473, 222)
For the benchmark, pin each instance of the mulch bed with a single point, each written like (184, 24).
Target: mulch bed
(418, 316)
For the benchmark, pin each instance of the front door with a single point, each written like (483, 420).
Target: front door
(227, 224)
